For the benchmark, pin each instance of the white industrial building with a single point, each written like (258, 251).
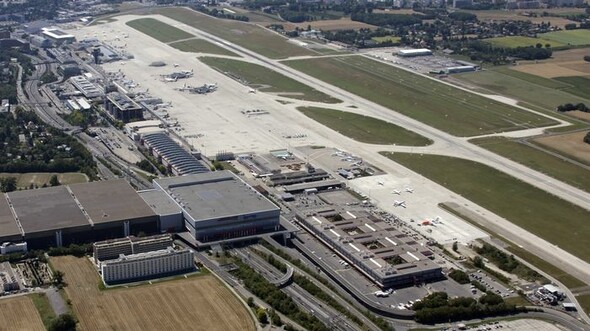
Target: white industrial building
(9, 247)
(137, 267)
(414, 52)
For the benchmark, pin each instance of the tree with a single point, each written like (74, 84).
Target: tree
(587, 58)
(478, 262)
(58, 278)
(261, 315)
(8, 184)
(587, 138)
(455, 246)
(64, 322)
(250, 302)
(53, 181)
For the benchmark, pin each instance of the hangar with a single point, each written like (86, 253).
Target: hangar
(76, 213)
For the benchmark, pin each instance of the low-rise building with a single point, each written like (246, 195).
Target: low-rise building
(110, 249)
(122, 108)
(8, 278)
(143, 266)
(87, 88)
(9, 248)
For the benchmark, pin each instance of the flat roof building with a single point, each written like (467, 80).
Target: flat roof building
(58, 36)
(219, 206)
(87, 88)
(177, 160)
(111, 249)
(122, 107)
(414, 52)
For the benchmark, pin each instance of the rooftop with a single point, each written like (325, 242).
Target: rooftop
(111, 200)
(7, 223)
(214, 195)
(160, 202)
(46, 209)
(181, 160)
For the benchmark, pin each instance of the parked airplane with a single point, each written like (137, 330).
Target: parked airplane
(252, 90)
(409, 189)
(383, 294)
(170, 79)
(396, 192)
(381, 183)
(176, 65)
(398, 203)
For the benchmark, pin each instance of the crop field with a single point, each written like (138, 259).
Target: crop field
(201, 46)
(568, 144)
(531, 208)
(444, 107)
(521, 41)
(364, 128)
(563, 63)
(516, 15)
(250, 36)
(393, 39)
(159, 30)
(195, 303)
(538, 91)
(24, 181)
(266, 80)
(578, 37)
(19, 313)
(533, 158)
(328, 25)
(580, 86)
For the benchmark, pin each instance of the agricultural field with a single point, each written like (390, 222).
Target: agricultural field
(247, 35)
(392, 39)
(364, 128)
(195, 303)
(580, 86)
(201, 46)
(563, 63)
(266, 80)
(517, 15)
(444, 107)
(579, 37)
(542, 92)
(159, 30)
(329, 25)
(24, 181)
(571, 145)
(533, 158)
(521, 41)
(19, 313)
(539, 212)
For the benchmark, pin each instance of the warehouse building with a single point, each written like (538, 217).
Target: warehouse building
(175, 158)
(143, 266)
(220, 206)
(414, 52)
(76, 213)
(384, 255)
(87, 88)
(122, 108)
(110, 249)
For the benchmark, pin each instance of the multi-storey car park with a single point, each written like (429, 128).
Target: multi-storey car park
(385, 255)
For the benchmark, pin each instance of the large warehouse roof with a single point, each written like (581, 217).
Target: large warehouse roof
(214, 195)
(111, 200)
(7, 223)
(160, 202)
(47, 209)
(175, 155)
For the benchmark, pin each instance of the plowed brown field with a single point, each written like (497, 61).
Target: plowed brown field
(196, 303)
(19, 313)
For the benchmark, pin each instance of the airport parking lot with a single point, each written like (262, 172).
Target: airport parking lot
(421, 64)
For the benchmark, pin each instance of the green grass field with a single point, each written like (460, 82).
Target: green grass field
(201, 46)
(43, 306)
(538, 160)
(247, 35)
(266, 80)
(578, 37)
(580, 86)
(521, 41)
(393, 39)
(364, 128)
(539, 91)
(159, 30)
(547, 216)
(24, 181)
(439, 105)
(584, 301)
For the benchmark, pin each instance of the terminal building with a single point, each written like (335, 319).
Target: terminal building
(87, 88)
(386, 256)
(218, 206)
(175, 158)
(121, 107)
(149, 265)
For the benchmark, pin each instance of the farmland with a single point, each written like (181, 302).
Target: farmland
(19, 313)
(521, 41)
(562, 63)
(555, 39)
(444, 107)
(538, 211)
(515, 15)
(533, 158)
(247, 35)
(195, 303)
(364, 128)
(568, 144)
(329, 25)
(24, 181)
(201, 46)
(159, 30)
(266, 80)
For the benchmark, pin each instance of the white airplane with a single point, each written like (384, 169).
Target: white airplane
(176, 65)
(170, 79)
(381, 183)
(409, 189)
(398, 203)
(396, 192)
(252, 90)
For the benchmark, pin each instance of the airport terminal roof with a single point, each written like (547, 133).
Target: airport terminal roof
(160, 202)
(177, 156)
(214, 195)
(111, 200)
(46, 209)
(8, 225)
